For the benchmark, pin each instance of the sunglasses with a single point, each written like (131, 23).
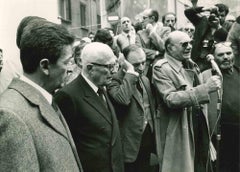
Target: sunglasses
(170, 21)
(110, 67)
(189, 29)
(185, 44)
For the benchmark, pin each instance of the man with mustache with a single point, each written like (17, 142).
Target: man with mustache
(230, 110)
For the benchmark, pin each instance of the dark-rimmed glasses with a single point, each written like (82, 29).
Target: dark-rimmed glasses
(110, 67)
(185, 44)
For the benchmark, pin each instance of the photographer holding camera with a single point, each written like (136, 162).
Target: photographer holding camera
(206, 22)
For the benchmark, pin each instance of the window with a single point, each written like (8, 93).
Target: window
(65, 10)
(99, 21)
(82, 14)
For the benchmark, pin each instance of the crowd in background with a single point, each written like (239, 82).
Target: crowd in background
(150, 98)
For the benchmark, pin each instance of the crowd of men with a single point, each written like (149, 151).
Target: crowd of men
(153, 98)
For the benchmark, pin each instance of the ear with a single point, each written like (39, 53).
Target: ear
(44, 66)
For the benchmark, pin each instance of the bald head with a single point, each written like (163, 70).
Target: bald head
(97, 52)
(178, 45)
(98, 63)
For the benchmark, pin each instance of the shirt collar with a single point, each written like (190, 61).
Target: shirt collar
(176, 64)
(46, 94)
(90, 83)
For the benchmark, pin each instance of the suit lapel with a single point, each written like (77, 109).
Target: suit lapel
(36, 98)
(94, 100)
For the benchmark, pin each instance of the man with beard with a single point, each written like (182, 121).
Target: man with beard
(229, 118)
(135, 107)
(205, 27)
(182, 99)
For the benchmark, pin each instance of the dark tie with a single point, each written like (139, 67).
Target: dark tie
(139, 87)
(101, 95)
(128, 36)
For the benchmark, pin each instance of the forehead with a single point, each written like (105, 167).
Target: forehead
(124, 19)
(179, 37)
(222, 49)
(136, 56)
(169, 16)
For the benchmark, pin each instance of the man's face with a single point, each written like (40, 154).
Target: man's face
(170, 20)
(147, 18)
(213, 20)
(58, 71)
(222, 17)
(126, 24)
(137, 59)
(223, 55)
(101, 72)
(181, 46)
(1, 61)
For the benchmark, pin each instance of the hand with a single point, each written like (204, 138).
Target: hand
(213, 83)
(125, 64)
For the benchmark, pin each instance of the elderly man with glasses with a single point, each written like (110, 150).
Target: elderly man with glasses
(89, 112)
(182, 99)
(224, 120)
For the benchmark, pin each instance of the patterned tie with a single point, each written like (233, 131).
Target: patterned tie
(139, 87)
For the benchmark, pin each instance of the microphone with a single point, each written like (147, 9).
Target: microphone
(215, 67)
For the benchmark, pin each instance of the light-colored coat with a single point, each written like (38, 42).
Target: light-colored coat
(32, 136)
(176, 96)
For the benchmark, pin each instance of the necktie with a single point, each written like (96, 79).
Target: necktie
(189, 64)
(128, 36)
(101, 95)
(139, 87)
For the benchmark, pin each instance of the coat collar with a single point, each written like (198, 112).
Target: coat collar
(36, 98)
(175, 64)
(93, 99)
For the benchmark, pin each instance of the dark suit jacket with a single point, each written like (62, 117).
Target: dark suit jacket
(130, 111)
(94, 128)
(32, 136)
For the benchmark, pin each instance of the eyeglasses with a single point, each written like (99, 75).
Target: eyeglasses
(170, 21)
(126, 21)
(185, 44)
(145, 17)
(189, 29)
(138, 64)
(110, 67)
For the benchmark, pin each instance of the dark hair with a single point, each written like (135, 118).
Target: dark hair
(130, 48)
(155, 14)
(103, 36)
(222, 8)
(78, 50)
(1, 50)
(168, 13)
(26, 21)
(43, 40)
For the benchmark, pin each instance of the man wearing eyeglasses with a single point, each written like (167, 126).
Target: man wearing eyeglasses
(229, 115)
(135, 108)
(89, 112)
(182, 99)
(144, 39)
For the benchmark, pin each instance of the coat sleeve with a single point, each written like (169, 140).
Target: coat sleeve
(17, 150)
(122, 91)
(193, 15)
(178, 96)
